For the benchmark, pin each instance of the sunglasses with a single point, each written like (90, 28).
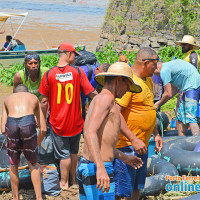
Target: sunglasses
(151, 59)
(32, 56)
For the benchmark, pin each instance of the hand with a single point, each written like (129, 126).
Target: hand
(139, 146)
(133, 161)
(159, 143)
(103, 180)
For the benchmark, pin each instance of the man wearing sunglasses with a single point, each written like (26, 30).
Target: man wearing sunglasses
(137, 124)
(31, 75)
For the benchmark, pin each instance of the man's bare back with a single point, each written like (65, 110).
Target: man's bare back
(21, 104)
(109, 130)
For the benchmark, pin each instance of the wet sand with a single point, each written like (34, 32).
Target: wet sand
(42, 36)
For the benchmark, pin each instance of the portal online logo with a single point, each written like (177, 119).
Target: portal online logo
(183, 185)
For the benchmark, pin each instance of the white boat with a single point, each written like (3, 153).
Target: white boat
(10, 57)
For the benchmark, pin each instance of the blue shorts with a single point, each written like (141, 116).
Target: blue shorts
(126, 177)
(64, 146)
(86, 175)
(187, 112)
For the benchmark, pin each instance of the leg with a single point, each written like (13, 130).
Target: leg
(181, 128)
(74, 148)
(74, 161)
(14, 178)
(194, 128)
(35, 177)
(65, 165)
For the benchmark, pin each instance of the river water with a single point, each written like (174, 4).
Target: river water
(51, 22)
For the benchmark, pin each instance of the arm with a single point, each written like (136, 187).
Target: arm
(41, 123)
(158, 140)
(169, 92)
(137, 144)
(131, 160)
(100, 111)
(4, 119)
(44, 105)
(17, 80)
(93, 94)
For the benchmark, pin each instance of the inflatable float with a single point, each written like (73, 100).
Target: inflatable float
(156, 183)
(180, 152)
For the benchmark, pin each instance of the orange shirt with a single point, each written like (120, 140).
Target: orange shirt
(139, 112)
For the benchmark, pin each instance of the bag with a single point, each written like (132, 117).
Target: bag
(86, 57)
(50, 180)
(45, 150)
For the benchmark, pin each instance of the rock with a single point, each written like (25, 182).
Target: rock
(146, 43)
(162, 41)
(153, 39)
(124, 38)
(155, 45)
(170, 43)
(135, 41)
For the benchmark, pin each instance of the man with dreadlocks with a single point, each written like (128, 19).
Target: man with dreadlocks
(31, 75)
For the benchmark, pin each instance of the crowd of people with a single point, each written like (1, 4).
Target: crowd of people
(118, 125)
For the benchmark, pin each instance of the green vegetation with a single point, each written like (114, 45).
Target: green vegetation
(106, 55)
(155, 14)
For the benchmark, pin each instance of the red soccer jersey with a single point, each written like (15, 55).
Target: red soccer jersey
(63, 88)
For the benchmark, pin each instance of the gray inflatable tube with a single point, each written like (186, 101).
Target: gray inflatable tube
(180, 152)
(156, 183)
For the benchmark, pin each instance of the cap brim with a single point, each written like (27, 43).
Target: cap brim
(77, 53)
(180, 42)
(100, 78)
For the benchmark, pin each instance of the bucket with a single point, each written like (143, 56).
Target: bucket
(173, 123)
(151, 146)
(198, 110)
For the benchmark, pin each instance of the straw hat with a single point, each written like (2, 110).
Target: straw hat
(119, 69)
(187, 39)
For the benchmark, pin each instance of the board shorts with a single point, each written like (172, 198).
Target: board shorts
(86, 175)
(126, 177)
(187, 111)
(21, 137)
(64, 146)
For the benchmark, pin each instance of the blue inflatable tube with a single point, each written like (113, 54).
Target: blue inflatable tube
(193, 197)
(156, 184)
(4, 160)
(180, 153)
(24, 180)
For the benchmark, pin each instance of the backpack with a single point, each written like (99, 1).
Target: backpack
(86, 58)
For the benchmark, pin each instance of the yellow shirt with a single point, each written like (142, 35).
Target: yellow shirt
(187, 57)
(139, 112)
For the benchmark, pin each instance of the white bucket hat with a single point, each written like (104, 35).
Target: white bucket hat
(187, 39)
(119, 69)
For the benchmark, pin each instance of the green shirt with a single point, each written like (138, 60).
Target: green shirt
(33, 86)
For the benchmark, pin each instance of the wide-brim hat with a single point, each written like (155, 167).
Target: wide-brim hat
(188, 39)
(119, 69)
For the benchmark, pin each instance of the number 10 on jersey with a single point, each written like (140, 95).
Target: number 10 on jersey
(68, 87)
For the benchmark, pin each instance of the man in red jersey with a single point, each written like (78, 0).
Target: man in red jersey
(60, 88)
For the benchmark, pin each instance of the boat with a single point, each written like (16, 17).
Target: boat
(7, 57)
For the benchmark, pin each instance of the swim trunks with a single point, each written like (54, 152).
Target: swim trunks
(86, 175)
(187, 112)
(126, 177)
(21, 137)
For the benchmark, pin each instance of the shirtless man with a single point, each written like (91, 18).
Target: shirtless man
(19, 127)
(101, 130)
